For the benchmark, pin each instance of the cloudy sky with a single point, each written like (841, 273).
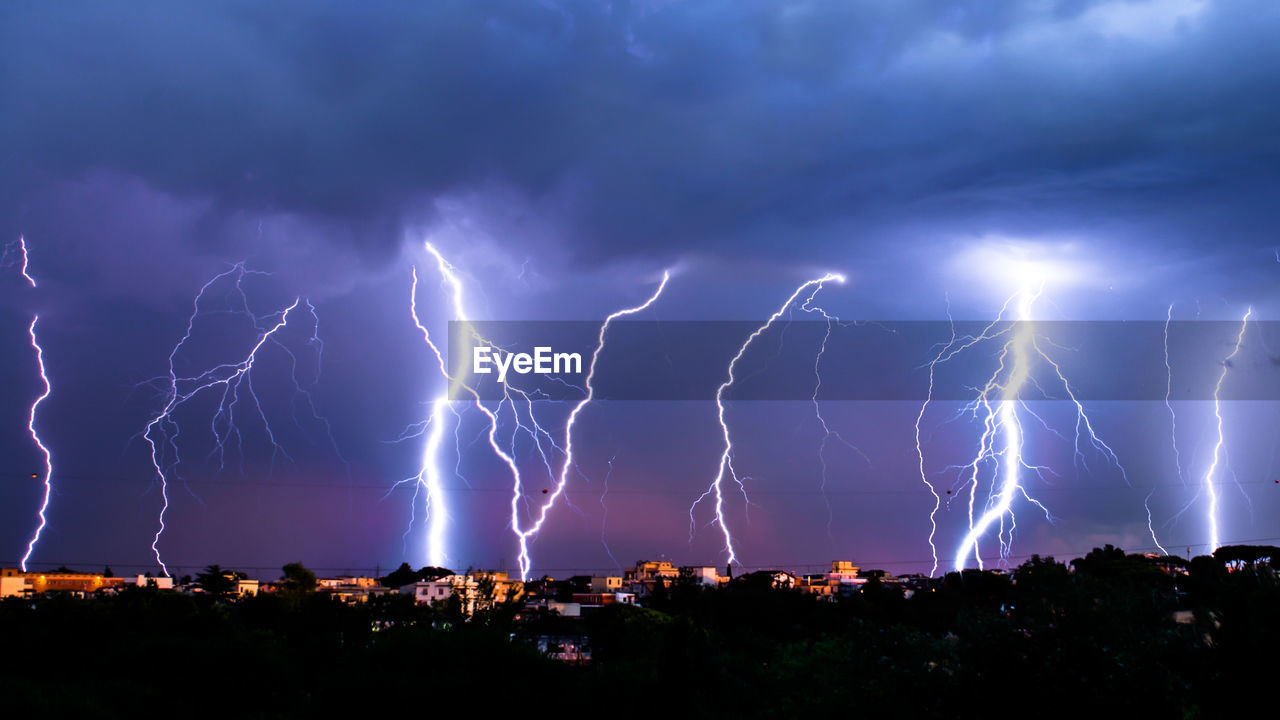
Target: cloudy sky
(562, 156)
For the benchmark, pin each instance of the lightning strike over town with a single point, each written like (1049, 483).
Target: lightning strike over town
(752, 359)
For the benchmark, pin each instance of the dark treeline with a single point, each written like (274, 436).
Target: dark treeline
(1111, 634)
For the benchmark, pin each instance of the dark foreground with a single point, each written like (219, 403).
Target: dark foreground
(1043, 641)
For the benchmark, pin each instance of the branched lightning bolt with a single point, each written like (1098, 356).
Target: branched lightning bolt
(828, 434)
(35, 436)
(1001, 444)
(715, 489)
(1168, 393)
(428, 479)
(1209, 484)
(301, 388)
(1173, 428)
(937, 499)
(562, 480)
(604, 514)
(429, 476)
(162, 431)
(15, 253)
(1002, 418)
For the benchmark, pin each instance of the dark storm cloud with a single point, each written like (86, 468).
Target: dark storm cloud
(663, 127)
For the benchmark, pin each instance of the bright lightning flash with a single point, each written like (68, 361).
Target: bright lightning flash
(1210, 484)
(430, 476)
(429, 479)
(563, 479)
(35, 436)
(1000, 408)
(15, 253)
(716, 489)
(228, 379)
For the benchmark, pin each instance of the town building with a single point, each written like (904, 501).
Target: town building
(703, 574)
(843, 579)
(642, 578)
(470, 589)
(347, 581)
(589, 600)
(160, 583)
(58, 581)
(605, 584)
(354, 592)
(777, 579)
(13, 583)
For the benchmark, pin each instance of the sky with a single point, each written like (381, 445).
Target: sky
(1122, 154)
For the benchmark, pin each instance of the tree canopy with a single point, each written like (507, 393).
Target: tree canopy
(297, 578)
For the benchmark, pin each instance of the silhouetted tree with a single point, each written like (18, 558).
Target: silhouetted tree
(401, 576)
(1237, 556)
(297, 578)
(216, 582)
(405, 575)
(1043, 588)
(1112, 566)
(431, 572)
(658, 596)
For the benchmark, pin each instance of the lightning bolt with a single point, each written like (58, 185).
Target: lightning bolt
(924, 478)
(1002, 418)
(604, 514)
(562, 481)
(1168, 393)
(228, 379)
(998, 405)
(313, 342)
(1173, 428)
(429, 477)
(35, 437)
(715, 489)
(22, 242)
(16, 254)
(18, 249)
(828, 434)
(1209, 485)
